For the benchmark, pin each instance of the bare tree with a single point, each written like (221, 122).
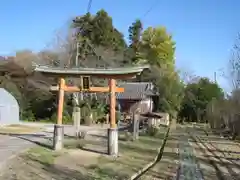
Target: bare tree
(233, 70)
(187, 75)
(60, 51)
(227, 111)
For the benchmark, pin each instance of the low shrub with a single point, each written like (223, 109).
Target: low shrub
(152, 131)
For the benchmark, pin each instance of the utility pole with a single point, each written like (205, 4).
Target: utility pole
(77, 55)
(215, 77)
(78, 95)
(77, 110)
(77, 65)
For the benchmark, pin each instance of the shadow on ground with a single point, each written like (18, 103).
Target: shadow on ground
(37, 169)
(217, 160)
(45, 164)
(39, 139)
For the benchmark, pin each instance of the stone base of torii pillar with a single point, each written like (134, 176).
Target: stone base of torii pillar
(113, 142)
(58, 137)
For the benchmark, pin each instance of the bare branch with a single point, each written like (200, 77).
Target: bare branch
(234, 65)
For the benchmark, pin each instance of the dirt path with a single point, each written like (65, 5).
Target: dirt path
(178, 161)
(39, 164)
(189, 154)
(75, 163)
(13, 144)
(216, 160)
(198, 157)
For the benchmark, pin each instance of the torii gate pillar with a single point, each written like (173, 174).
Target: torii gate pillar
(113, 130)
(58, 128)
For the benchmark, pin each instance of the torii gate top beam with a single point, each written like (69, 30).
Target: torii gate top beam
(116, 73)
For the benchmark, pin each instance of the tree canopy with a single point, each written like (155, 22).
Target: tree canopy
(159, 47)
(197, 96)
(99, 30)
(101, 44)
(135, 34)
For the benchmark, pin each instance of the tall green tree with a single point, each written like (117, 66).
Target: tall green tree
(159, 47)
(99, 30)
(197, 96)
(101, 44)
(135, 32)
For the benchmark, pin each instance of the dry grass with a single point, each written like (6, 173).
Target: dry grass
(167, 167)
(133, 157)
(18, 129)
(75, 163)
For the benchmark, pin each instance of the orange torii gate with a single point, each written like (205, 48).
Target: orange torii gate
(85, 73)
(63, 88)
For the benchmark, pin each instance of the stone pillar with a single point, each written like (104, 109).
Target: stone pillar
(136, 120)
(107, 118)
(113, 142)
(174, 124)
(58, 137)
(77, 120)
(151, 122)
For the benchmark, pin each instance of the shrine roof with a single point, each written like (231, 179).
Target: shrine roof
(90, 71)
(136, 90)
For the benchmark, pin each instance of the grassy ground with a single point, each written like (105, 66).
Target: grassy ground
(18, 129)
(76, 163)
(167, 167)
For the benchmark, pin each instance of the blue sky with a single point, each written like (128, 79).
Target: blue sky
(204, 30)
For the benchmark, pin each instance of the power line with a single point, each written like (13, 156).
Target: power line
(76, 95)
(150, 9)
(89, 5)
(78, 44)
(215, 77)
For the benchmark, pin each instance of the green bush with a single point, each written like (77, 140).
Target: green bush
(47, 120)
(28, 116)
(66, 119)
(152, 131)
(54, 117)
